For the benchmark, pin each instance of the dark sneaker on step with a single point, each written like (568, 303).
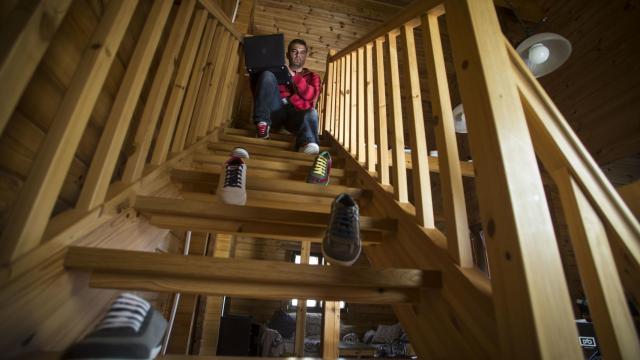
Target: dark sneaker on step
(232, 182)
(130, 330)
(321, 169)
(262, 130)
(341, 244)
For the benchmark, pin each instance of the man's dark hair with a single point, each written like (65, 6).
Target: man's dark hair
(297, 41)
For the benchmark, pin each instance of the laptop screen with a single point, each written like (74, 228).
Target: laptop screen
(264, 51)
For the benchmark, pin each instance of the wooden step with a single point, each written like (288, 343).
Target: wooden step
(204, 209)
(242, 140)
(265, 199)
(122, 269)
(252, 134)
(263, 151)
(278, 164)
(269, 184)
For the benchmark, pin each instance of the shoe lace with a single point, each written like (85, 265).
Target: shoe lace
(320, 166)
(126, 312)
(233, 175)
(343, 224)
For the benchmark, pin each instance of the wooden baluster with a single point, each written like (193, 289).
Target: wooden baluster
(230, 85)
(341, 100)
(361, 106)
(24, 42)
(220, 70)
(30, 215)
(334, 92)
(607, 301)
(198, 124)
(455, 211)
(381, 115)
(186, 112)
(223, 96)
(370, 120)
(353, 120)
(179, 89)
(528, 287)
(104, 161)
(301, 311)
(346, 138)
(419, 157)
(399, 166)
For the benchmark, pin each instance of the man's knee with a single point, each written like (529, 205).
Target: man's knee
(267, 76)
(312, 115)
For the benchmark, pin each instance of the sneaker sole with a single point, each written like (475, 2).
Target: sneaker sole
(340, 262)
(154, 354)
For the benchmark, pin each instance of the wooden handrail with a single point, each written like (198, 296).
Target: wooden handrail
(215, 10)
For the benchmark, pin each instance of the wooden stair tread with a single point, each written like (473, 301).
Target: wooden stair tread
(272, 143)
(252, 134)
(299, 176)
(280, 164)
(265, 199)
(254, 278)
(267, 184)
(263, 150)
(206, 209)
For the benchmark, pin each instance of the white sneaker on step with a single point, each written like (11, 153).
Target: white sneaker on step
(240, 152)
(310, 148)
(232, 182)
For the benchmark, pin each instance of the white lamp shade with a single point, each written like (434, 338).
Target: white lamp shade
(459, 120)
(544, 52)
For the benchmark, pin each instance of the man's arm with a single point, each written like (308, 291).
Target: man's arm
(306, 93)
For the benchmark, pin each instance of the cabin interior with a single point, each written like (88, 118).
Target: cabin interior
(116, 116)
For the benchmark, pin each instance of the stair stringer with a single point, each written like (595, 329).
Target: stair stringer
(457, 321)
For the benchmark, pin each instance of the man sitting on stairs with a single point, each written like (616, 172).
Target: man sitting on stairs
(291, 106)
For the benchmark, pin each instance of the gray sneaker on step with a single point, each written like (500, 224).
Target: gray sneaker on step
(341, 244)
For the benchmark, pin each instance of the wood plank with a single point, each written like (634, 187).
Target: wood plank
(630, 193)
(361, 106)
(285, 145)
(22, 45)
(214, 9)
(30, 215)
(397, 140)
(301, 311)
(204, 209)
(255, 229)
(220, 61)
(370, 117)
(529, 290)
(420, 161)
(277, 185)
(187, 110)
(607, 301)
(331, 330)
(264, 150)
(453, 200)
(346, 126)
(106, 156)
(381, 116)
(225, 102)
(245, 270)
(178, 90)
(251, 133)
(330, 98)
(264, 199)
(341, 100)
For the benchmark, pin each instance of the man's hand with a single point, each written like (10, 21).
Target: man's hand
(291, 72)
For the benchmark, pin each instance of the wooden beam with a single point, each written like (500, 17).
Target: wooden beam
(301, 311)
(104, 161)
(381, 116)
(205, 209)
(331, 330)
(32, 209)
(353, 119)
(24, 39)
(529, 290)
(630, 193)
(346, 126)
(362, 157)
(369, 115)
(214, 9)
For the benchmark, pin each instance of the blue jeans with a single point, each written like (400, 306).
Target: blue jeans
(269, 108)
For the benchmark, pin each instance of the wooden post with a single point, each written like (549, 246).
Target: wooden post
(607, 301)
(178, 90)
(346, 135)
(458, 241)
(329, 96)
(24, 42)
(341, 104)
(30, 215)
(531, 300)
(381, 116)
(331, 330)
(301, 312)
(225, 102)
(419, 157)
(104, 161)
(188, 105)
(361, 106)
(370, 120)
(399, 167)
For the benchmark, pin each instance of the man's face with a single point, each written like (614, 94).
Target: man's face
(297, 55)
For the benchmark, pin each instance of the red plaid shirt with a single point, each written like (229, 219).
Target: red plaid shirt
(304, 91)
